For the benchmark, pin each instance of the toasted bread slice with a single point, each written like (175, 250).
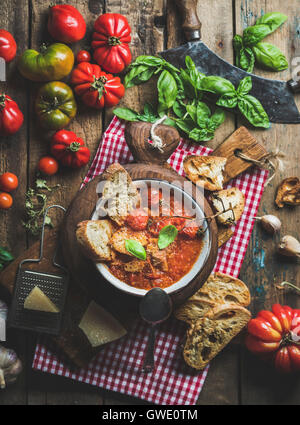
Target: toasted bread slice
(209, 335)
(224, 234)
(288, 192)
(218, 289)
(223, 200)
(205, 171)
(119, 194)
(94, 237)
(117, 240)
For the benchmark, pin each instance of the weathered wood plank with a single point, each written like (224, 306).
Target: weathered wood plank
(262, 267)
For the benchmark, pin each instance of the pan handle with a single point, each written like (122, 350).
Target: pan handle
(191, 24)
(294, 85)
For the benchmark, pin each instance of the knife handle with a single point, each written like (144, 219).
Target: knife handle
(191, 24)
(294, 85)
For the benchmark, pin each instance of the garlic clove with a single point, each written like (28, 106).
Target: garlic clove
(270, 223)
(289, 246)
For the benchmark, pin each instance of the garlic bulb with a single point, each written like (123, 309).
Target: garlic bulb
(10, 366)
(270, 223)
(289, 246)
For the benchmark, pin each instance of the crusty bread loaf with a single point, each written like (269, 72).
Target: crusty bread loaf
(224, 234)
(218, 289)
(94, 237)
(119, 194)
(205, 171)
(209, 335)
(117, 240)
(222, 201)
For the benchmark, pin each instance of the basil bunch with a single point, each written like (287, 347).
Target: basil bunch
(5, 257)
(182, 96)
(250, 50)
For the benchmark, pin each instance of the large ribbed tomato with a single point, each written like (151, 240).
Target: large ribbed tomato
(66, 24)
(95, 87)
(8, 46)
(110, 42)
(11, 118)
(69, 149)
(276, 334)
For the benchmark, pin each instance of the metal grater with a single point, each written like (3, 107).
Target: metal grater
(53, 285)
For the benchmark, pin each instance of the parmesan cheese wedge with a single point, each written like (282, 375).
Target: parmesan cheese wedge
(37, 300)
(99, 326)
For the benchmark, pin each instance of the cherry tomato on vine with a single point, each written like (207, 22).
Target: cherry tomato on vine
(83, 56)
(8, 182)
(48, 166)
(6, 201)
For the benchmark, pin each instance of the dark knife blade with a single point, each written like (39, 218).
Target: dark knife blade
(274, 95)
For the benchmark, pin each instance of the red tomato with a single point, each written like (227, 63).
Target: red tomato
(66, 24)
(137, 219)
(110, 42)
(6, 201)
(48, 166)
(154, 197)
(190, 229)
(277, 333)
(69, 149)
(8, 182)
(156, 225)
(83, 56)
(8, 46)
(11, 118)
(95, 87)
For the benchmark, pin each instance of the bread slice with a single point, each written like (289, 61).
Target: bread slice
(117, 240)
(119, 195)
(222, 201)
(288, 192)
(218, 289)
(209, 335)
(94, 237)
(205, 171)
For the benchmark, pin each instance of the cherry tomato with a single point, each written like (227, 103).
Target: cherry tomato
(48, 165)
(8, 182)
(6, 201)
(83, 56)
(137, 219)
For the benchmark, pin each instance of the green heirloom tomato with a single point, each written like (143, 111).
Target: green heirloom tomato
(55, 105)
(53, 63)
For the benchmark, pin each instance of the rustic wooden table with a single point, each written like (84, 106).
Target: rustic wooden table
(235, 377)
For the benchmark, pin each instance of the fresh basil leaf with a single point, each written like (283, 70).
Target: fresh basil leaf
(201, 135)
(194, 74)
(170, 122)
(227, 101)
(252, 35)
(5, 256)
(166, 236)
(218, 117)
(138, 75)
(217, 85)
(253, 110)
(192, 111)
(246, 59)
(270, 57)
(237, 42)
(126, 114)
(186, 125)
(135, 248)
(203, 111)
(167, 90)
(272, 19)
(179, 109)
(154, 61)
(245, 86)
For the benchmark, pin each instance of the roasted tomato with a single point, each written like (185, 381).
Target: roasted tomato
(69, 149)
(277, 332)
(138, 219)
(52, 63)
(6, 201)
(96, 88)
(8, 182)
(8, 46)
(48, 166)
(83, 56)
(191, 229)
(55, 105)
(156, 225)
(11, 118)
(110, 42)
(66, 24)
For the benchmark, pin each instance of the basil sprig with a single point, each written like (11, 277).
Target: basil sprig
(135, 248)
(250, 50)
(5, 257)
(166, 236)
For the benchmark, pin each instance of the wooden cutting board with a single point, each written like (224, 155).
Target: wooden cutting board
(86, 283)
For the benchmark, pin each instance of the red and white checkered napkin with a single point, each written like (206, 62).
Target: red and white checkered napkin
(118, 367)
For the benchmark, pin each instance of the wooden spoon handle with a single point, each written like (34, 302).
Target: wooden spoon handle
(191, 24)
